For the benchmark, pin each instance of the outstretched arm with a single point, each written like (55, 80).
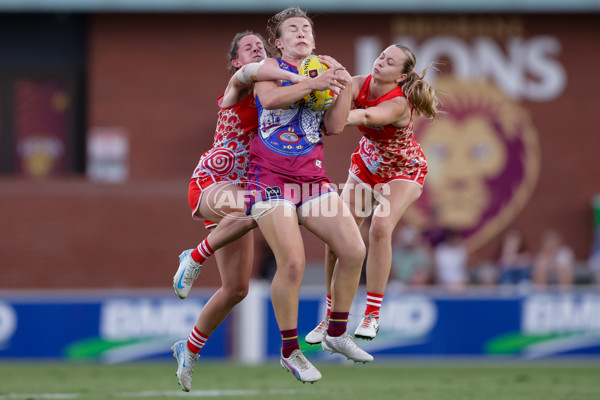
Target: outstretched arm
(391, 112)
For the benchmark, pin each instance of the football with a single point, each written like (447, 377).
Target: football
(317, 100)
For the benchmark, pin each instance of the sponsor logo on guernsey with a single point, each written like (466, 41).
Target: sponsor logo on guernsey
(273, 191)
(319, 163)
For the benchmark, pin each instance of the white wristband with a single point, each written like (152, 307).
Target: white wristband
(248, 73)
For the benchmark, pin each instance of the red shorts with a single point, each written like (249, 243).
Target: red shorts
(197, 186)
(359, 171)
(265, 184)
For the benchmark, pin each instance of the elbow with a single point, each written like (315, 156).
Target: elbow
(267, 104)
(334, 130)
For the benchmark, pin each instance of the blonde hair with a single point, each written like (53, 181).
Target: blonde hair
(421, 95)
(275, 22)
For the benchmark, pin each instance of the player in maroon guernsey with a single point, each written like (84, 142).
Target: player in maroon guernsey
(387, 169)
(289, 187)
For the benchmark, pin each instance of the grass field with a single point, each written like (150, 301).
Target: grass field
(422, 381)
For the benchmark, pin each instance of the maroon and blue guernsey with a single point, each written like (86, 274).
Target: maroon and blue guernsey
(289, 140)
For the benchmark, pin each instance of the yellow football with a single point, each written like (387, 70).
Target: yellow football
(318, 100)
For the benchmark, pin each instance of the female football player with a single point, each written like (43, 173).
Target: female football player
(388, 167)
(289, 187)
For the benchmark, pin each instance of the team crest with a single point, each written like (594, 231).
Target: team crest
(483, 159)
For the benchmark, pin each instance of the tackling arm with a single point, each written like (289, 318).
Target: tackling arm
(336, 115)
(391, 112)
(243, 80)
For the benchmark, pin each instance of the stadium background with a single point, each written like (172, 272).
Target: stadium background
(105, 108)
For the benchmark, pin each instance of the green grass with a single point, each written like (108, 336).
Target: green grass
(390, 381)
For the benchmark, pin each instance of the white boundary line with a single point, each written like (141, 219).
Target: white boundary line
(155, 393)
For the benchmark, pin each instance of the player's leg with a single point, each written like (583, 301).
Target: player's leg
(279, 226)
(235, 263)
(354, 197)
(395, 199)
(221, 202)
(337, 228)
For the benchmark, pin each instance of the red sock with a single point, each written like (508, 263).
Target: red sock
(196, 340)
(289, 340)
(337, 323)
(202, 252)
(328, 300)
(373, 303)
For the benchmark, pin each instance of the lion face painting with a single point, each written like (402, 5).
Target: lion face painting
(483, 158)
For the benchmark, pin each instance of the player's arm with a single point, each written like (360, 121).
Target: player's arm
(245, 77)
(274, 96)
(395, 112)
(263, 71)
(336, 115)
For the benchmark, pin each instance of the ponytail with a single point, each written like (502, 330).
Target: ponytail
(420, 94)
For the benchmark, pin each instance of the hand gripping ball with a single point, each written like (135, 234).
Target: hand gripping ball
(318, 100)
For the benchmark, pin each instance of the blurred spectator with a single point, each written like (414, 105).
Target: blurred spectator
(411, 259)
(450, 259)
(594, 265)
(515, 260)
(486, 274)
(554, 262)
(434, 234)
(594, 261)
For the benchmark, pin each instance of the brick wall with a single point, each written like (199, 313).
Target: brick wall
(158, 76)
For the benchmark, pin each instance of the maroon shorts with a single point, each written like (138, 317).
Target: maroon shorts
(265, 184)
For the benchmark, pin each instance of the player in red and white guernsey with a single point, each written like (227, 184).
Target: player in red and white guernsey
(388, 168)
(221, 173)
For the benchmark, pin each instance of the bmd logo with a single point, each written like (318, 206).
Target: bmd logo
(125, 319)
(8, 322)
(412, 316)
(547, 313)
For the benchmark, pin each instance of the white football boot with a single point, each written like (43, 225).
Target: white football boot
(186, 361)
(345, 346)
(316, 335)
(186, 274)
(299, 365)
(368, 327)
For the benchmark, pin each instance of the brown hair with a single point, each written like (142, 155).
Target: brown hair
(274, 24)
(420, 93)
(235, 47)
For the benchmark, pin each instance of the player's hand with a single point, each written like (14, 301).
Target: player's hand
(330, 62)
(331, 80)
